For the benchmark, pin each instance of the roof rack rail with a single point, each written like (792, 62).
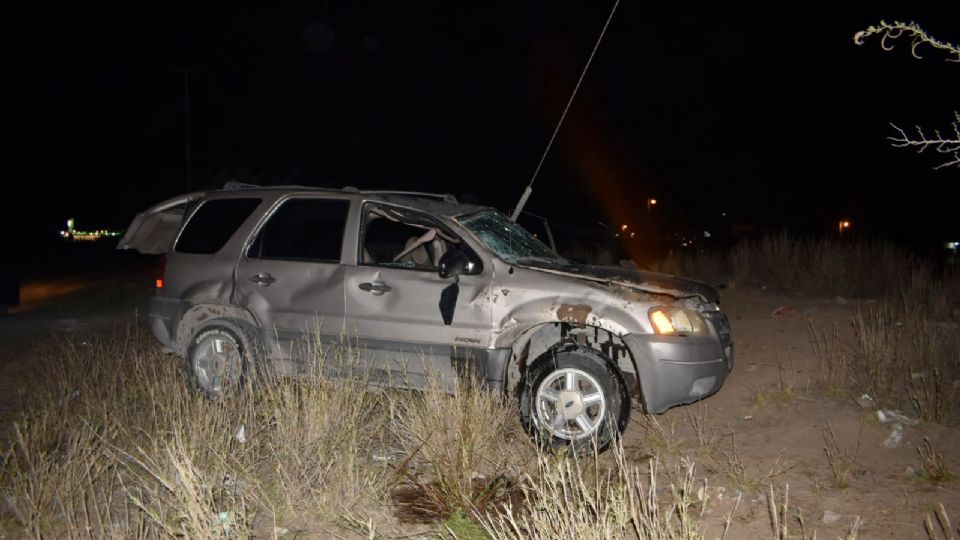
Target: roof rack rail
(233, 184)
(445, 197)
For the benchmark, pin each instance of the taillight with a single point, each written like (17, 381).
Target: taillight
(161, 268)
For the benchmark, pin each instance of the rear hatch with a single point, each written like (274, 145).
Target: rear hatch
(154, 230)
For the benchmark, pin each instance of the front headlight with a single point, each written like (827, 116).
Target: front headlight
(677, 321)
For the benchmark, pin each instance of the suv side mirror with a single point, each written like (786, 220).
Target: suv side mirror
(454, 263)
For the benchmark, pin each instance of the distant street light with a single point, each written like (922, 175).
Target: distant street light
(651, 202)
(843, 225)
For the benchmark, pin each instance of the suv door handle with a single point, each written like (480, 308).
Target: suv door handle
(377, 288)
(263, 278)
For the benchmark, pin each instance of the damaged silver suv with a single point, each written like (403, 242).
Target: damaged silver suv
(424, 285)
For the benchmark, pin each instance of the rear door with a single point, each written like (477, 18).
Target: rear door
(393, 297)
(290, 276)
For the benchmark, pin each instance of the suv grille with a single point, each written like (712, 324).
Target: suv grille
(721, 324)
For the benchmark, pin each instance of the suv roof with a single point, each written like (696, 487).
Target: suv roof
(443, 204)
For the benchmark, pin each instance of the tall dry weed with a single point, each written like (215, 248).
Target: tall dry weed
(113, 443)
(824, 267)
(461, 450)
(571, 497)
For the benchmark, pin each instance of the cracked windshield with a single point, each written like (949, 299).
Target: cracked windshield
(511, 242)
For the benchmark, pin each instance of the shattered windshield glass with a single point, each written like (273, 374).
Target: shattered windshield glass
(509, 241)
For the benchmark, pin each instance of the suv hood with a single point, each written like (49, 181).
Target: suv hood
(650, 282)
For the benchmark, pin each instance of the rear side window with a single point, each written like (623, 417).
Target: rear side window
(303, 230)
(212, 225)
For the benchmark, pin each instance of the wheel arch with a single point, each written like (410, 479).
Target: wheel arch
(540, 338)
(199, 315)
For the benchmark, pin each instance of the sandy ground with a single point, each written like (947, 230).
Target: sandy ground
(774, 360)
(773, 354)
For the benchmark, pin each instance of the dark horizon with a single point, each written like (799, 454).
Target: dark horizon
(772, 115)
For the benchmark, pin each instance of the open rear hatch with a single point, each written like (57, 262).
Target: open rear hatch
(154, 230)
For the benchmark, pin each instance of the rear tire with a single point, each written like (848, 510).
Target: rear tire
(222, 355)
(574, 397)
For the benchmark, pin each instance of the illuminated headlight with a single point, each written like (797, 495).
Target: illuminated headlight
(678, 321)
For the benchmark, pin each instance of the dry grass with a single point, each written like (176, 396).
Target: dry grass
(842, 460)
(905, 358)
(780, 518)
(746, 478)
(320, 433)
(708, 266)
(902, 358)
(779, 395)
(943, 528)
(577, 498)
(112, 443)
(904, 349)
(824, 267)
(835, 370)
(659, 433)
(708, 434)
(461, 450)
(934, 466)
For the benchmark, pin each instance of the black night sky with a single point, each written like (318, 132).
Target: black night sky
(766, 111)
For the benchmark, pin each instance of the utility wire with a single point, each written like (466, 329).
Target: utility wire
(529, 189)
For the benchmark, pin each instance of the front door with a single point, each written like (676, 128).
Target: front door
(393, 298)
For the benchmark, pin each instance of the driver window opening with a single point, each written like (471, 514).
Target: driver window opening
(390, 240)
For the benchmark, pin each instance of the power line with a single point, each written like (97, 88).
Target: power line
(529, 189)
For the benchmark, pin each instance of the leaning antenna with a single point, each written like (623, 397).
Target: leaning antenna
(529, 189)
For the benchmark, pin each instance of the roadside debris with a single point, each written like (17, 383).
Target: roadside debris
(866, 402)
(830, 518)
(782, 311)
(70, 397)
(885, 416)
(229, 481)
(225, 520)
(893, 440)
(241, 435)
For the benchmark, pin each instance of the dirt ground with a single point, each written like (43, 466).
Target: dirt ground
(770, 406)
(773, 408)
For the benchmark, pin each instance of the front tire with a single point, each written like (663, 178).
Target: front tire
(220, 356)
(574, 396)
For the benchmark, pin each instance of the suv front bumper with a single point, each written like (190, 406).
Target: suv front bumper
(674, 370)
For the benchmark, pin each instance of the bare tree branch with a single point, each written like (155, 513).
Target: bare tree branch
(919, 36)
(949, 145)
(890, 33)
